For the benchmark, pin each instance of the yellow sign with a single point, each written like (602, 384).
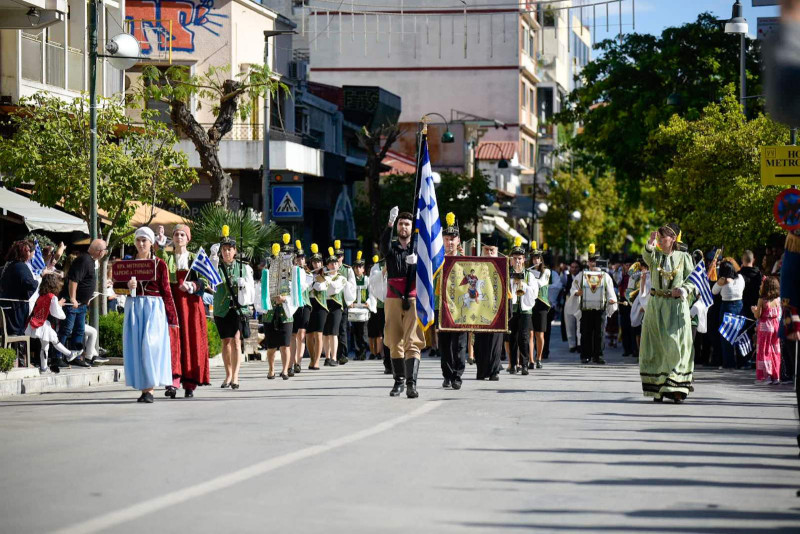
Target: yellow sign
(780, 165)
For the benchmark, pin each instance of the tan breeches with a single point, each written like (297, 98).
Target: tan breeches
(402, 333)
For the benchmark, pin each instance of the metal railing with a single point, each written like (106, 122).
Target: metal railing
(75, 60)
(254, 132)
(54, 58)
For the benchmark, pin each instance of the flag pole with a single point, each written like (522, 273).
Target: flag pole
(422, 131)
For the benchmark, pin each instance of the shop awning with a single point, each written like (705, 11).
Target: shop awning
(506, 229)
(38, 217)
(160, 216)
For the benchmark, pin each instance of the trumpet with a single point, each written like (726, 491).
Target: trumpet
(517, 277)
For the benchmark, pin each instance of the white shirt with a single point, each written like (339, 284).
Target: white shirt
(731, 291)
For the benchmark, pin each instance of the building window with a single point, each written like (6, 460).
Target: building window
(531, 154)
(531, 43)
(522, 93)
(532, 100)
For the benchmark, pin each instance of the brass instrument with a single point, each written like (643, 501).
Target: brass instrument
(517, 277)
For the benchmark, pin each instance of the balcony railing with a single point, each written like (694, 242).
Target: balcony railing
(254, 132)
(31, 58)
(75, 79)
(54, 56)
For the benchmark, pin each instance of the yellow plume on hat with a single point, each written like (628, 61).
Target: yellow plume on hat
(298, 245)
(358, 255)
(314, 248)
(375, 258)
(544, 246)
(518, 241)
(450, 218)
(336, 244)
(330, 251)
(276, 249)
(591, 248)
(534, 244)
(226, 231)
(286, 239)
(679, 237)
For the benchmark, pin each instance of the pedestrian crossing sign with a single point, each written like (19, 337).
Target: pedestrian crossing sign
(287, 201)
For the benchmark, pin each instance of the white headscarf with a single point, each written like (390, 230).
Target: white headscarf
(144, 231)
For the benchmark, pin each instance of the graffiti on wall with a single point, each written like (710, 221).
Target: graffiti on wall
(149, 21)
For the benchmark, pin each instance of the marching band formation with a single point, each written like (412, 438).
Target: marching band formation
(311, 303)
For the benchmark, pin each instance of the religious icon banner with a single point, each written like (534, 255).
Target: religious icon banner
(474, 294)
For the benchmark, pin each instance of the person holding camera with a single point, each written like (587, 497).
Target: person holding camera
(403, 335)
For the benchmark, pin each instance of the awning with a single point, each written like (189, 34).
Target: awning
(38, 217)
(506, 229)
(160, 216)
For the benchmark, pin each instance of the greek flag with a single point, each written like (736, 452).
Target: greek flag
(699, 278)
(37, 262)
(743, 344)
(202, 264)
(731, 326)
(430, 245)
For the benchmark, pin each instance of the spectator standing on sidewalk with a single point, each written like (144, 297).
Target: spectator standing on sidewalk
(730, 287)
(78, 291)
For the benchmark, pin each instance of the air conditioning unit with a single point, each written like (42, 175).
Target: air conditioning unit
(299, 70)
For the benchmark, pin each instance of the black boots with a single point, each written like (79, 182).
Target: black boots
(398, 372)
(387, 364)
(412, 367)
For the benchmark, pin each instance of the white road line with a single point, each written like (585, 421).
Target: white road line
(143, 508)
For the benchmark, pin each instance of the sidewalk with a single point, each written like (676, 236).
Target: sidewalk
(21, 381)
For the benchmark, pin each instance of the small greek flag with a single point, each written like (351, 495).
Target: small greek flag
(202, 264)
(37, 262)
(430, 246)
(699, 278)
(743, 344)
(731, 326)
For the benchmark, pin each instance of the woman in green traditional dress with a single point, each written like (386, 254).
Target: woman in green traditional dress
(666, 359)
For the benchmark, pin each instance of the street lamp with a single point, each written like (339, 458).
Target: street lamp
(447, 136)
(737, 24)
(265, 147)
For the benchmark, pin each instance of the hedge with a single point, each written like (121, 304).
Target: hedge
(111, 335)
(8, 359)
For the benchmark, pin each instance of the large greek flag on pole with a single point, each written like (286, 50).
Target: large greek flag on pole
(37, 261)
(202, 264)
(731, 325)
(430, 245)
(699, 278)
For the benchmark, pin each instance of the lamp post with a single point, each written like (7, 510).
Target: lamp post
(737, 24)
(266, 125)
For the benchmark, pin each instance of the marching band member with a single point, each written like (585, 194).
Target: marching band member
(335, 284)
(488, 345)
(319, 308)
(541, 310)
(303, 314)
(597, 298)
(190, 367)
(377, 317)
(452, 345)
(524, 289)
(348, 297)
(232, 300)
(358, 311)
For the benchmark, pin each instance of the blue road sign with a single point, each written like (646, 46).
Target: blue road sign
(287, 201)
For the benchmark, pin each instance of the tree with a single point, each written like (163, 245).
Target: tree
(377, 143)
(49, 151)
(625, 93)
(253, 239)
(574, 192)
(712, 187)
(230, 98)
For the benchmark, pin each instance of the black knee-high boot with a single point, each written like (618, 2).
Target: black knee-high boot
(387, 361)
(412, 367)
(398, 372)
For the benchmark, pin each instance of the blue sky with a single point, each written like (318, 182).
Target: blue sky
(652, 16)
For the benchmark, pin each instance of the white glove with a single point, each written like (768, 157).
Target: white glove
(215, 249)
(411, 259)
(320, 286)
(393, 215)
(242, 283)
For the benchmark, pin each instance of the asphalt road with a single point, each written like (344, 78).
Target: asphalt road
(569, 448)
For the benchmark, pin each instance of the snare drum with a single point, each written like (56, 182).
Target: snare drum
(357, 315)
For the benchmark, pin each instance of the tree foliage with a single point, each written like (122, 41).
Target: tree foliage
(229, 97)
(253, 239)
(377, 143)
(713, 187)
(136, 162)
(624, 94)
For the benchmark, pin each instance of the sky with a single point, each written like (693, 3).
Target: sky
(652, 16)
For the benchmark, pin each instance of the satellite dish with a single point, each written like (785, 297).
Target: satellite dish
(124, 51)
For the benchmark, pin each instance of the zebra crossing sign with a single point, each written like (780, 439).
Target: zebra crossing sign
(287, 202)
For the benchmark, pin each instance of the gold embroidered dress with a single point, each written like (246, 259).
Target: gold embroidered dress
(666, 358)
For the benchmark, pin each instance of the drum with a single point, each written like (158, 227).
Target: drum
(357, 315)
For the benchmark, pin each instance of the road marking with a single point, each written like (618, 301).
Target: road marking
(143, 508)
